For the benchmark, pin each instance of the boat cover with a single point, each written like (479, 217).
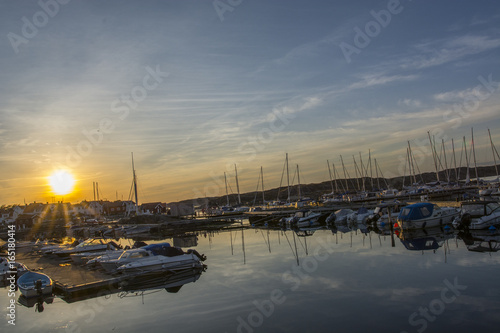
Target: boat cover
(416, 211)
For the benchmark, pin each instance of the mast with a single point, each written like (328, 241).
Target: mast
(370, 162)
(362, 170)
(335, 178)
(298, 179)
(287, 179)
(454, 159)
(330, 174)
(262, 179)
(433, 155)
(493, 150)
(93, 185)
(474, 155)
(345, 176)
(376, 170)
(227, 194)
(135, 187)
(445, 161)
(356, 171)
(467, 177)
(237, 184)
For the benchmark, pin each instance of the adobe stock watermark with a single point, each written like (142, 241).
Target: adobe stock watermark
(30, 28)
(420, 319)
(471, 101)
(223, 6)
(121, 107)
(372, 29)
(293, 278)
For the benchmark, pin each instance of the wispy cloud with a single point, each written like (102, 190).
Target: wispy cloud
(438, 52)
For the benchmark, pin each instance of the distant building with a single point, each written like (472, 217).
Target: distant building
(155, 208)
(114, 208)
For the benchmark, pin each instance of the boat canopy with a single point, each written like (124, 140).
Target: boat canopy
(416, 211)
(157, 249)
(420, 244)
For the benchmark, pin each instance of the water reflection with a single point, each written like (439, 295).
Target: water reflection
(337, 273)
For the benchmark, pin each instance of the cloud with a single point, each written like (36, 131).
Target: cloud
(410, 102)
(438, 52)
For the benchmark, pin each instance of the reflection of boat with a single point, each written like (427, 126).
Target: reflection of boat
(38, 301)
(359, 217)
(90, 245)
(424, 239)
(340, 216)
(478, 215)
(170, 258)
(170, 281)
(302, 218)
(425, 215)
(32, 284)
(480, 240)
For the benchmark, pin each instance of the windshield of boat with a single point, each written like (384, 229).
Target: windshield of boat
(475, 209)
(491, 207)
(134, 254)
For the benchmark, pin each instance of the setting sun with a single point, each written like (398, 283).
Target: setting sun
(62, 182)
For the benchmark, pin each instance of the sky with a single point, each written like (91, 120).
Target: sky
(194, 87)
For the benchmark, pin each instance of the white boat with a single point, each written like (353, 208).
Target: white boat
(111, 263)
(90, 245)
(165, 258)
(33, 284)
(478, 215)
(425, 215)
(302, 218)
(380, 214)
(83, 257)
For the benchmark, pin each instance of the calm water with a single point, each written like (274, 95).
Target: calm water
(343, 282)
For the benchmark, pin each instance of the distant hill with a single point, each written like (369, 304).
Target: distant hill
(316, 190)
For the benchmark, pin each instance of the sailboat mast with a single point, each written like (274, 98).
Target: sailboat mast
(335, 178)
(433, 155)
(474, 155)
(237, 184)
(363, 173)
(262, 179)
(467, 178)
(330, 174)
(287, 179)
(345, 176)
(135, 187)
(445, 161)
(370, 162)
(454, 159)
(493, 149)
(298, 179)
(227, 193)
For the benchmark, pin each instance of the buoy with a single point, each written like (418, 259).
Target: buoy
(382, 224)
(266, 224)
(447, 227)
(253, 225)
(492, 228)
(396, 225)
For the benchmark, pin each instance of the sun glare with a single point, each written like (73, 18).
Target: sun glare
(62, 182)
